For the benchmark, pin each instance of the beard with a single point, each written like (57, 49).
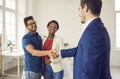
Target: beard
(82, 22)
(82, 19)
(33, 30)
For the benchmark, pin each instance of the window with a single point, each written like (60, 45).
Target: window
(10, 4)
(8, 21)
(1, 2)
(117, 11)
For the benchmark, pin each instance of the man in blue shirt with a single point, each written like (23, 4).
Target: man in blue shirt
(32, 46)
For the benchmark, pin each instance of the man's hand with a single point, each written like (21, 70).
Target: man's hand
(53, 54)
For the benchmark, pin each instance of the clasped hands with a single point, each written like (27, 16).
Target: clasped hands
(53, 54)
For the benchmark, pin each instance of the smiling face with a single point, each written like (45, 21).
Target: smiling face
(31, 25)
(52, 28)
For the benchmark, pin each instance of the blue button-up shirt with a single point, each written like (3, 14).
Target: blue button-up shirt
(32, 63)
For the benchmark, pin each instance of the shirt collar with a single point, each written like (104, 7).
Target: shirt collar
(88, 22)
(30, 33)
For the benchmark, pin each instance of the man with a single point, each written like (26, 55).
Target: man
(92, 55)
(32, 46)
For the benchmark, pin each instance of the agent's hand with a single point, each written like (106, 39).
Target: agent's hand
(53, 54)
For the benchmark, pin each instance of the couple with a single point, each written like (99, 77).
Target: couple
(92, 55)
(36, 55)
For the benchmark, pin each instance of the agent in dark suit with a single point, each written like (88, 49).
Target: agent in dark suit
(92, 55)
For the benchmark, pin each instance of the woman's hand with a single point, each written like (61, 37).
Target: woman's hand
(47, 61)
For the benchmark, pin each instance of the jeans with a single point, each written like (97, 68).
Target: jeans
(32, 75)
(49, 74)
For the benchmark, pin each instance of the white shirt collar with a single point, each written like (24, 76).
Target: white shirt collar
(86, 24)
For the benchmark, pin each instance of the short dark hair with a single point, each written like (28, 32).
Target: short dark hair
(94, 5)
(53, 21)
(27, 18)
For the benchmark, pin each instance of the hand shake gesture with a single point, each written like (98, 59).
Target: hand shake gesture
(53, 54)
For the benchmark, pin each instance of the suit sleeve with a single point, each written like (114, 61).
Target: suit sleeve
(68, 52)
(93, 47)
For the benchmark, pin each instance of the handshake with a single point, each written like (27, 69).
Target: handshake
(53, 54)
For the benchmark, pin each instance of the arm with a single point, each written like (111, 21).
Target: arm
(34, 52)
(27, 45)
(68, 52)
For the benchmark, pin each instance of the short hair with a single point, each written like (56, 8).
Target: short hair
(53, 21)
(94, 5)
(27, 18)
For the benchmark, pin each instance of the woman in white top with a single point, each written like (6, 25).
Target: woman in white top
(53, 69)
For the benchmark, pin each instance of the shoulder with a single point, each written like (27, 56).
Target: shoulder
(96, 26)
(26, 37)
(58, 37)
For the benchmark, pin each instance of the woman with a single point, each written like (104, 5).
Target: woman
(54, 69)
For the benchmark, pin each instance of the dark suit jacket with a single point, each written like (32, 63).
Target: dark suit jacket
(92, 55)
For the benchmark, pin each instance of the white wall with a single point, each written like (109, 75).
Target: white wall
(66, 13)
(20, 23)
